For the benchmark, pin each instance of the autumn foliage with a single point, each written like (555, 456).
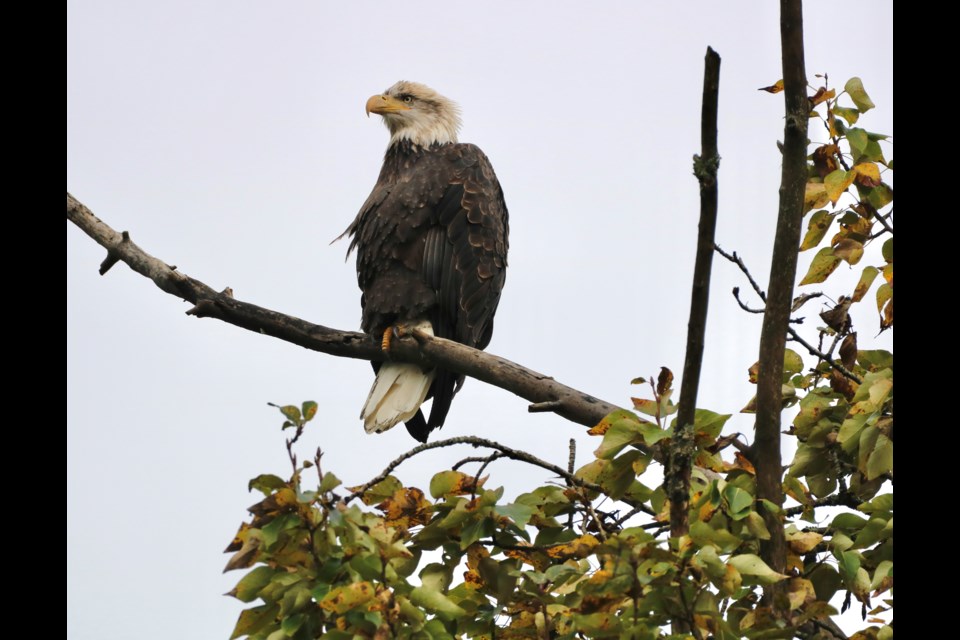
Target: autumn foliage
(590, 555)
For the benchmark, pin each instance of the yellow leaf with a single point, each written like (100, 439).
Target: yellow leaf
(867, 174)
(776, 87)
(799, 592)
(837, 183)
(849, 250)
(815, 196)
(822, 95)
(803, 541)
(866, 281)
(581, 547)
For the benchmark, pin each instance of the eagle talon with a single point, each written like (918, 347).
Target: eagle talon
(391, 332)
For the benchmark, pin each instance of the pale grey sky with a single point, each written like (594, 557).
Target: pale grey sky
(229, 138)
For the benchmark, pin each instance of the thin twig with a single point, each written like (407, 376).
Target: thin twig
(508, 452)
(734, 258)
(843, 499)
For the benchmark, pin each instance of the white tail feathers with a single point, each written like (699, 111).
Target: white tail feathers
(397, 393)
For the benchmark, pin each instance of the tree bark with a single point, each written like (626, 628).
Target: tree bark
(544, 392)
(783, 270)
(677, 476)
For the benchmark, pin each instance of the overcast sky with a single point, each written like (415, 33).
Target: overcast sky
(229, 139)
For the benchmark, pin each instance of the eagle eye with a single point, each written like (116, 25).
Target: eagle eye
(407, 98)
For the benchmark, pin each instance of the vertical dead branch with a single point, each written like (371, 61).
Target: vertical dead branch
(783, 270)
(705, 169)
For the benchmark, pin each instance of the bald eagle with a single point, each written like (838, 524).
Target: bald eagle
(431, 243)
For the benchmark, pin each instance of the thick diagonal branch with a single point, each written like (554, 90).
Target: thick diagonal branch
(539, 389)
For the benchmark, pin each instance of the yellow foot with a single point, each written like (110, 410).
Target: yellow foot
(391, 332)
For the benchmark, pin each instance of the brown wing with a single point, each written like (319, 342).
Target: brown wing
(431, 242)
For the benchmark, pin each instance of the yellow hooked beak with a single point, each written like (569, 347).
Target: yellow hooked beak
(382, 105)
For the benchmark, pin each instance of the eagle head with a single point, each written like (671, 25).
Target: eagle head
(415, 112)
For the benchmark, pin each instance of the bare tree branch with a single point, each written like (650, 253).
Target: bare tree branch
(544, 392)
(796, 337)
(682, 447)
(508, 452)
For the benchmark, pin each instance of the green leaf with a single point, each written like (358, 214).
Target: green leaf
(250, 585)
(792, 362)
(823, 264)
(749, 564)
(848, 522)
(618, 436)
(435, 577)
(291, 412)
(272, 531)
(874, 360)
(881, 503)
(617, 475)
(708, 422)
(756, 526)
(309, 410)
(881, 458)
(848, 114)
(739, 502)
(381, 491)
(858, 94)
(291, 625)
(703, 534)
(887, 250)
(253, 620)
(820, 221)
(329, 482)
(858, 140)
(849, 563)
(825, 581)
(266, 484)
(519, 513)
(435, 602)
(446, 483)
(884, 570)
(879, 196)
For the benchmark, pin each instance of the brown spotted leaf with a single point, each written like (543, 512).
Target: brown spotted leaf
(824, 263)
(820, 221)
(822, 95)
(825, 159)
(454, 483)
(838, 318)
(867, 174)
(342, 599)
(848, 350)
(620, 414)
(849, 250)
(815, 196)
(664, 381)
(407, 508)
(776, 87)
